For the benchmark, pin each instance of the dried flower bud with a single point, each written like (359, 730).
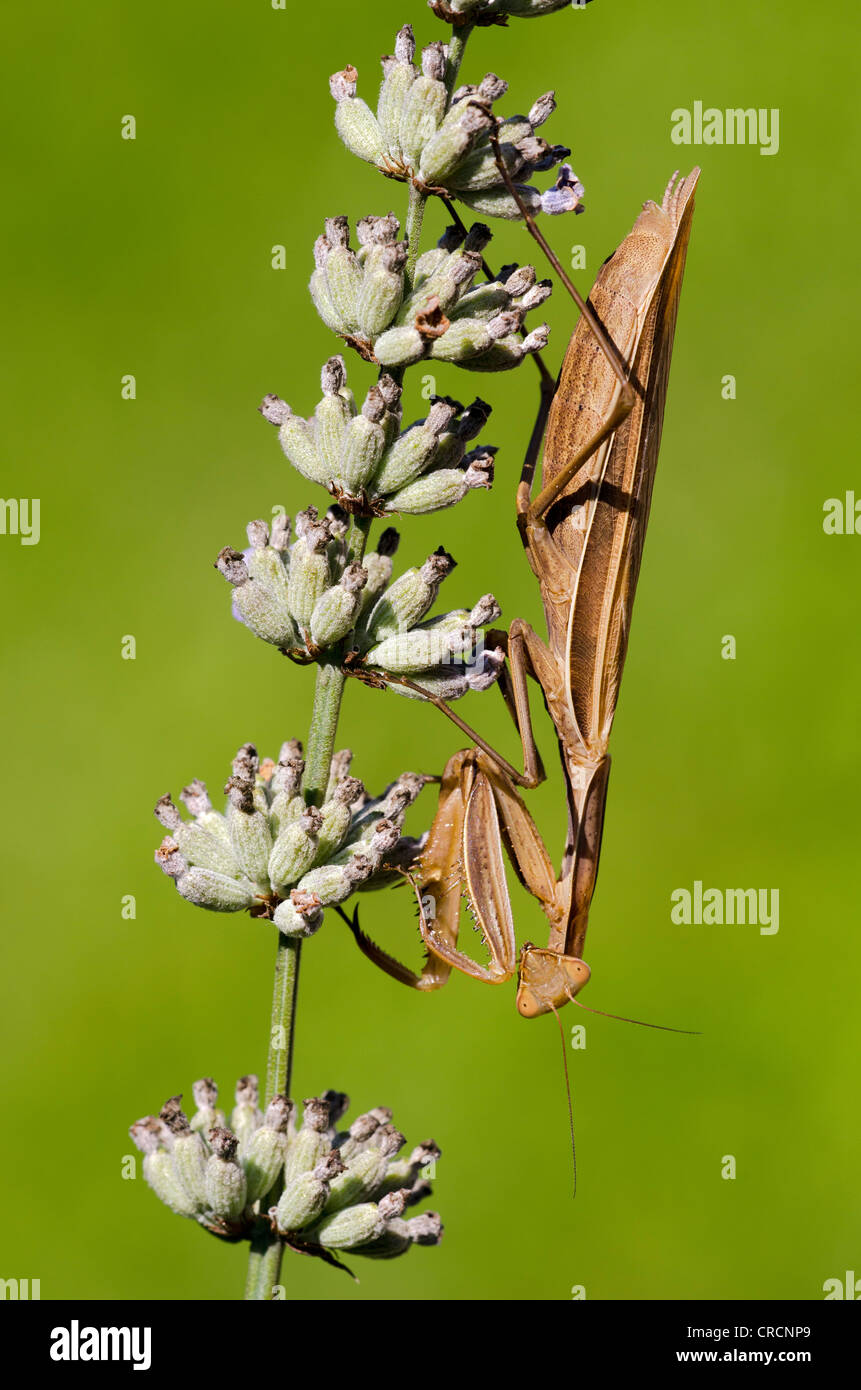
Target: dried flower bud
(274, 409)
(311, 1143)
(498, 202)
(363, 444)
(292, 854)
(158, 1167)
(442, 488)
(246, 1116)
(345, 1230)
(298, 918)
(216, 891)
(231, 563)
(226, 1188)
(206, 1116)
(424, 105)
(355, 122)
(310, 574)
(263, 1155)
(566, 195)
(410, 597)
(300, 1203)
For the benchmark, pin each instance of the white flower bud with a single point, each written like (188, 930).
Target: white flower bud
(363, 443)
(332, 416)
(216, 891)
(498, 202)
(442, 488)
(398, 76)
(413, 451)
(423, 109)
(484, 302)
(204, 850)
(206, 1115)
(226, 1188)
(410, 597)
(343, 278)
(354, 120)
(311, 1143)
(300, 1203)
(336, 610)
(399, 347)
(309, 573)
(294, 851)
(297, 921)
(355, 1226)
(381, 290)
(297, 440)
(336, 817)
(421, 649)
(566, 195)
(330, 884)
(463, 339)
(158, 1169)
(249, 831)
(264, 1153)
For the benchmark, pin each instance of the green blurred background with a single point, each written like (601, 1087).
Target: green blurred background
(153, 258)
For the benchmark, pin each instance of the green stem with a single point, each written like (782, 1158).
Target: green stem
(267, 1251)
(324, 725)
(279, 1067)
(264, 1268)
(456, 45)
(415, 215)
(357, 538)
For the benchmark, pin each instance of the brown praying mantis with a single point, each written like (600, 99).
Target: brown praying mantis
(583, 534)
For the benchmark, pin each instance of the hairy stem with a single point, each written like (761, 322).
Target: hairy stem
(264, 1268)
(279, 1067)
(456, 45)
(415, 215)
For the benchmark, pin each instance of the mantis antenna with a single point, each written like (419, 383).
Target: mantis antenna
(621, 1018)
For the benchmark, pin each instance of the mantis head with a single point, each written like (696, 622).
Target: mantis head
(547, 980)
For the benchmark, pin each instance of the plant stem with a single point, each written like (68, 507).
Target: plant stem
(279, 1066)
(324, 725)
(456, 46)
(415, 214)
(267, 1251)
(264, 1268)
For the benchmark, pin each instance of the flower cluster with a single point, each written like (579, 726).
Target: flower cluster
(443, 148)
(446, 317)
(332, 1189)
(445, 654)
(308, 597)
(450, 319)
(368, 463)
(276, 857)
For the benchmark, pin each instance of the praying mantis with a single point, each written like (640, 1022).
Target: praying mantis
(583, 533)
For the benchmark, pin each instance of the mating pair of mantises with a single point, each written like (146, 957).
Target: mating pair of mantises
(583, 535)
